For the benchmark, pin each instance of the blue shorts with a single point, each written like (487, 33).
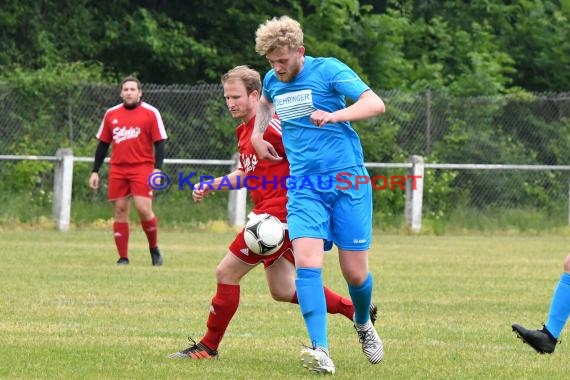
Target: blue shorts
(335, 207)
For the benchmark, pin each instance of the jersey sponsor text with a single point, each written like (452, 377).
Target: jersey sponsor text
(121, 134)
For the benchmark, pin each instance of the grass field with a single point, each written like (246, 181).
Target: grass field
(446, 305)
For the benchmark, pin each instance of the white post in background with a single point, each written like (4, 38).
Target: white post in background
(237, 202)
(415, 193)
(62, 189)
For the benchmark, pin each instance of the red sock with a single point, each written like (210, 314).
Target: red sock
(121, 233)
(224, 306)
(336, 304)
(150, 228)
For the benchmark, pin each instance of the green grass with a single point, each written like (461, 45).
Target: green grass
(446, 305)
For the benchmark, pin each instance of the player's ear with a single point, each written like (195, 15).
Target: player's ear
(301, 51)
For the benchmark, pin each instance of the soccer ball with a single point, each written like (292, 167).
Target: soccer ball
(264, 234)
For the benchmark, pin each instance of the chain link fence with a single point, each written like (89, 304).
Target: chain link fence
(520, 129)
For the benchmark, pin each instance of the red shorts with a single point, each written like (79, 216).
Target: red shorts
(240, 250)
(129, 180)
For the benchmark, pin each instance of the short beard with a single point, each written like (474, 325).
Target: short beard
(131, 106)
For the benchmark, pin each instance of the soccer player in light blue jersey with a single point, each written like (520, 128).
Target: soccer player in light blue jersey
(544, 340)
(309, 96)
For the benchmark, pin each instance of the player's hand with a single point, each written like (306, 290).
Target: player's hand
(157, 180)
(199, 193)
(94, 181)
(264, 149)
(320, 118)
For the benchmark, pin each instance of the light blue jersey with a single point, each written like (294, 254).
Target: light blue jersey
(315, 152)
(323, 84)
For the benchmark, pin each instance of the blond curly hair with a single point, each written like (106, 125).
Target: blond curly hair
(277, 33)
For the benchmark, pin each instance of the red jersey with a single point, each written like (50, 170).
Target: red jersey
(265, 179)
(132, 133)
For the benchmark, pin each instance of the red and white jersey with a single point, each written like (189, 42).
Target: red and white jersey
(265, 180)
(132, 133)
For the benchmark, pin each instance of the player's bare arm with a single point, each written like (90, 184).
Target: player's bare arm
(264, 149)
(265, 112)
(368, 105)
(202, 189)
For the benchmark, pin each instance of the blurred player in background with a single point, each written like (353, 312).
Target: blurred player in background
(308, 94)
(544, 340)
(242, 87)
(137, 135)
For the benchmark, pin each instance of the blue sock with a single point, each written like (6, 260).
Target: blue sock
(559, 307)
(313, 305)
(361, 298)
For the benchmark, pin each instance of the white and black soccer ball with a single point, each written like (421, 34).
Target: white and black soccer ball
(264, 234)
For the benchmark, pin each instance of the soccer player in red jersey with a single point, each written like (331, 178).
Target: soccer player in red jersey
(137, 135)
(242, 87)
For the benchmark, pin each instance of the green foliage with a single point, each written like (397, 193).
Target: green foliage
(211, 125)
(466, 60)
(543, 28)
(38, 124)
(388, 198)
(522, 42)
(378, 40)
(440, 194)
(155, 39)
(479, 47)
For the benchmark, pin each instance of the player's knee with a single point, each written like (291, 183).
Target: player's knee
(355, 278)
(280, 296)
(145, 213)
(121, 208)
(225, 276)
(221, 274)
(121, 214)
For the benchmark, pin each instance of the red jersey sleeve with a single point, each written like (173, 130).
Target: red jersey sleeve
(158, 130)
(105, 133)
